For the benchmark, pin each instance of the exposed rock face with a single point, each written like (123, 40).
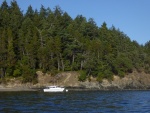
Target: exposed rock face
(16, 85)
(134, 80)
(44, 79)
(68, 79)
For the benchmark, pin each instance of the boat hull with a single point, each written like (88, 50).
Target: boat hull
(55, 90)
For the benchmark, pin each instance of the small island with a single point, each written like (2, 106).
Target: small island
(45, 47)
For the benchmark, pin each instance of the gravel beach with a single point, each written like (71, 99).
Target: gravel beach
(2, 88)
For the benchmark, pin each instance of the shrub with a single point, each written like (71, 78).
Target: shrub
(17, 73)
(121, 74)
(100, 77)
(82, 76)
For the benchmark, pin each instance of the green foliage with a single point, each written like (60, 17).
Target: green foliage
(100, 77)
(121, 73)
(52, 41)
(28, 75)
(17, 73)
(108, 75)
(122, 65)
(82, 76)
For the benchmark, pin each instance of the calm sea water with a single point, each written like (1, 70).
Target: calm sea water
(75, 101)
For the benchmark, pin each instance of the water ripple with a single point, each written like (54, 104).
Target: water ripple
(86, 101)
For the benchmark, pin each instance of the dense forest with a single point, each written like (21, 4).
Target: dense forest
(51, 41)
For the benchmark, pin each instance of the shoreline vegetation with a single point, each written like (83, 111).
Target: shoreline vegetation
(134, 81)
(43, 46)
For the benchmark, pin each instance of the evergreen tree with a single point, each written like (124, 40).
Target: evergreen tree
(52, 41)
(4, 15)
(15, 21)
(11, 57)
(3, 53)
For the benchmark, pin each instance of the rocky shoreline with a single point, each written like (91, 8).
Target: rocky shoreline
(5, 89)
(132, 81)
(16, 89)
(70, 88)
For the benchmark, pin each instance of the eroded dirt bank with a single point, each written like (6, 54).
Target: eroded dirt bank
(133, 80)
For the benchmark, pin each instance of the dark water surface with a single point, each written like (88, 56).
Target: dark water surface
(75, 101)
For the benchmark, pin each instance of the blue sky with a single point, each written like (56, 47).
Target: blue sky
(130, 16)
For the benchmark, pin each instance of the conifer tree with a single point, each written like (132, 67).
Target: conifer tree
(50, 40)
(3, 53)
(11, 57)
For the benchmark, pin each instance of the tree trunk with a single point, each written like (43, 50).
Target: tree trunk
(73, 57)
(58, 63)
(81, 65)
(2, 73)
(41, 38)
(62, 62)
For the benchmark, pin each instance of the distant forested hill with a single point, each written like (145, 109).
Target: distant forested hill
(51, 41)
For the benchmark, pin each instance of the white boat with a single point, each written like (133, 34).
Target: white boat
(55, 89)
